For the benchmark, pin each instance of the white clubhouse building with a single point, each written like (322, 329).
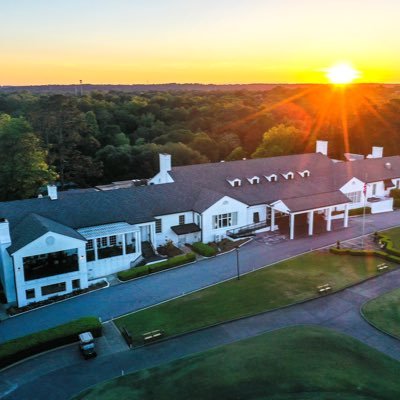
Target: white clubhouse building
(56, 244)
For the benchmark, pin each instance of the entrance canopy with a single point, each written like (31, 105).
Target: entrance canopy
(185, 229)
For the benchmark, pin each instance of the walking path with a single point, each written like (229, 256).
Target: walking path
(121, 299)
(60, 374)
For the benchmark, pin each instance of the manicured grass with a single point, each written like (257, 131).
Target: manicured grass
(384, 312)
(276, 286)
(290, 364)
(393, 234)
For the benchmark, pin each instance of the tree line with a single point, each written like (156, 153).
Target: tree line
(83, 141)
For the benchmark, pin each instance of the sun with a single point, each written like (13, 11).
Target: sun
(342, 74)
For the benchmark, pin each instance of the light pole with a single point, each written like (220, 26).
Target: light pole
(237, 263)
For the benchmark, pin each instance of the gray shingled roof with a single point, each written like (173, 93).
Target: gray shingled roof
(196, 188)
(34, 226)
(319, 200)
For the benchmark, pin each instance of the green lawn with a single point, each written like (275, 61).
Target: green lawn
(384, 312)
(394, 234)
(300, 363)
(282, 284)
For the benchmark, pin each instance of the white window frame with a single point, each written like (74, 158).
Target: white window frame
(354, 197)
(226, 220)
(158, 225)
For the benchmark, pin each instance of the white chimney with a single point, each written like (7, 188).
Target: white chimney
(52, 192)
(377, 152)
(165, 162)
(322, 147)
(4, 232)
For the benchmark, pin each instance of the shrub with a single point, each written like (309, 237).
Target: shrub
(368, 253)
(395, 193)
(156, 267)
(360, 211)
(26, 346)
(204, 249)
(396, 203)
(134, 272)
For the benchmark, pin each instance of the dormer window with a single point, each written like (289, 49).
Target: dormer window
(304, 174)
(254, 180)
(235, 182)
(288, 175)
(271, 178)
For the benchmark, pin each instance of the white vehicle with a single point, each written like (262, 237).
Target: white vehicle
(86, 345)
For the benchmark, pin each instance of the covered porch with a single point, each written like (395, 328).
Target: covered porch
(111, 248)
(319, 209)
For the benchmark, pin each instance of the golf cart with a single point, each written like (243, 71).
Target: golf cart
(86, 345)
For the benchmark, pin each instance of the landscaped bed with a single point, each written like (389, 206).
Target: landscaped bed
(301, 363)
(384, 312)
(20, 348)
(282, 284)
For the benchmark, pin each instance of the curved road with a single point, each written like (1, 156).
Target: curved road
(121, 299)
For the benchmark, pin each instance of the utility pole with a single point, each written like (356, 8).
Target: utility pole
(237, 263)
(365, 201)
(81, 87)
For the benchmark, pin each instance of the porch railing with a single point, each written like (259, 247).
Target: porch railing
(247, 230)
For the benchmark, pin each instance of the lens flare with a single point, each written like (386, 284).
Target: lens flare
(342, 74)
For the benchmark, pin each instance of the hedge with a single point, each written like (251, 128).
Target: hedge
(204, 249)
(360, 211)
(366, 253)
(156, 267)
(26, 346)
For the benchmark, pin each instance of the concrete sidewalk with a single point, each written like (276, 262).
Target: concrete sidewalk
(121, 299)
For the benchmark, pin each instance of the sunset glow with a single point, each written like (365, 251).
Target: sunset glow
(342, 74)
(131, 41)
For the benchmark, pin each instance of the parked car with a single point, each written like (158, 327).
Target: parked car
(86, 345)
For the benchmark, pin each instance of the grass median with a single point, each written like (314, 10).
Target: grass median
(279, 285)
(384, 312)
(301, 363)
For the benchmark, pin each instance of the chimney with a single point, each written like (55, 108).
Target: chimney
(52, 192)
(4, 232)
(165, 162)
(322, 147)
(377, 152)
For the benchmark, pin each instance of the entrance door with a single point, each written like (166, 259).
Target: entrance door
(256, 217)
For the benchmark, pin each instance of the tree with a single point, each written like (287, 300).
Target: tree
(236, 154)
(278, 141)
(23, 167)
(206, 146)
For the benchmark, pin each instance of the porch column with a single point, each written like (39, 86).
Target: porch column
(138, 243)
(291, 226)
(310, 223)
(123, 244)
(346, 215)
(272, 219)
(329, 219)
(96, 257)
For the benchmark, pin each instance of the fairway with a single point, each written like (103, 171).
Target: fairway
(282, 284)
(300, 363)
(384, 312)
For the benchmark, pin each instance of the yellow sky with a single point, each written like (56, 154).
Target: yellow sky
(220, 41)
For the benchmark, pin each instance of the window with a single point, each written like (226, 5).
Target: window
(273, 178)
(30, 293)
(355, 197)
(104, 241)
(76, 284)
(236, 183)
(56, 288)
(89, 245)
(158, 225)
(374, 189)
(254, 181)
(113, 240)
(181, 219)
(224, 220)
(256, 217)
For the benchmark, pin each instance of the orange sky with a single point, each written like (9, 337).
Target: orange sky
(219, 41)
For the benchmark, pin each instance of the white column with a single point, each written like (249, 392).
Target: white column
(346, 215)
(123, 244)
(291, 226)
(311, 223)
(138, 243)
(329, 219)
(272, 219)
(96, 257)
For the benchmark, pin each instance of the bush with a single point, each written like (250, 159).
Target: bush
(396, 203)
(360, 211)
(369, 253)
(134, 272)
(204, 249)
(26, 346)
(395, 193)
(156, 267)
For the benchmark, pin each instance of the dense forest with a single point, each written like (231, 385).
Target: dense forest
(104, 136)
